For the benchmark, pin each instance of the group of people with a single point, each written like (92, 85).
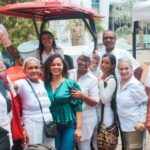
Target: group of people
(73, 98)
(121, 92)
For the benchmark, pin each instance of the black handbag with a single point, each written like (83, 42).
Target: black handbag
(50, 128)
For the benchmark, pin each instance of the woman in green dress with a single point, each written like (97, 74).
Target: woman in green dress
(66, 111)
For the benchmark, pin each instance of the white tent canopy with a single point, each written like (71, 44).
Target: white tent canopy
(141, 11)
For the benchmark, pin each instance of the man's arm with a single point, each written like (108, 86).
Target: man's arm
(15, 54)
(4, 39)
(138, 72)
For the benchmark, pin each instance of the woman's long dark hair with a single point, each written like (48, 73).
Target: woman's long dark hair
(48, 63)
(112, 61)
(41, 46)
(112, 72)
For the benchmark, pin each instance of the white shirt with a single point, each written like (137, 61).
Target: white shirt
(89, 86)
(45, 55)
(30, 104)
(121, 53)
(131, 104)
(106, 94)
(5, 117)
(148, 77)
(97, 72)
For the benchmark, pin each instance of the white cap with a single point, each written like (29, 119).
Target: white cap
(87, 54)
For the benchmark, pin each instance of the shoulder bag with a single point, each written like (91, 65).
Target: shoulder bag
(107, 137)
(50, 128)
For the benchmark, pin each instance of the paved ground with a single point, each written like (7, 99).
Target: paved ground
(147, 145)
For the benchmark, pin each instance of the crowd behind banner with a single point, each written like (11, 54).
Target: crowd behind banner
(86, 108)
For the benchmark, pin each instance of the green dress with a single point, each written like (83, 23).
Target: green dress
(63, 105)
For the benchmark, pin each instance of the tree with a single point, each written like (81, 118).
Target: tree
(19, 29)
(121, 15)
(122, 18)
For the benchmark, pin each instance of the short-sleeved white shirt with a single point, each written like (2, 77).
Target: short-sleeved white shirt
(121, 53)
(4, 38)
(45, 55)
(89, 86)
(30, 104)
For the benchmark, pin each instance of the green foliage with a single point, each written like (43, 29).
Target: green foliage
(123, 20)
(122, 17)
(99, 26)
(19, 29)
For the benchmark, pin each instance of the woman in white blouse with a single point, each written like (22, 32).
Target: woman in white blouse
(108, 65)
(107, 89)
(47, 47)
(32, 116)
(131, 107)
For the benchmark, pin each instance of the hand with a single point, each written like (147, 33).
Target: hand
(140, 126)
(76, 94)
(19, 61)
(77, 135)
(25, 142)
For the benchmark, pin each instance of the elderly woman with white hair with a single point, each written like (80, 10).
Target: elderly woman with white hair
(131, 107)
(32, 116)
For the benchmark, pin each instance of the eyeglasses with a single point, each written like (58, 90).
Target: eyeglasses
(83, 61)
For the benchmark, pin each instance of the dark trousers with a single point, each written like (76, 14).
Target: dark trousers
(17, 145)
(4, 143)
(133, 140)
(4, 139)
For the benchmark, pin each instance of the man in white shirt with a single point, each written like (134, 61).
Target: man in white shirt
(90, 96)
(6, 42)
(109, 40)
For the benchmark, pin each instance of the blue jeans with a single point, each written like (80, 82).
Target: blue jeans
(65, 138)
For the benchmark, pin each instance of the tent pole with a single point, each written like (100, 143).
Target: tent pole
(135, 27)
